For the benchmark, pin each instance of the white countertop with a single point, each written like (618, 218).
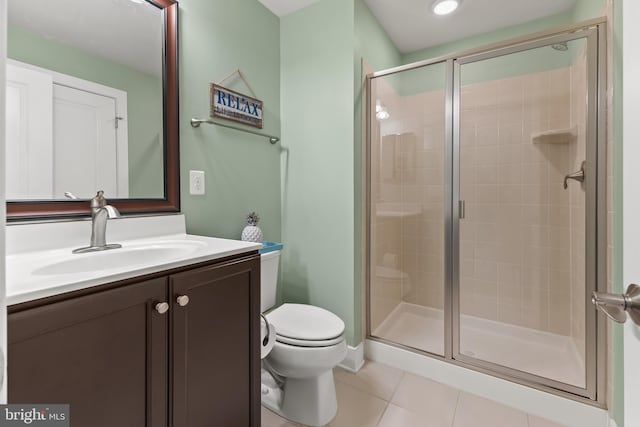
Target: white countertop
(34, 274)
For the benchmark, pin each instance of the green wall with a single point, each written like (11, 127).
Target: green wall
(311, 179)
(144, 101)
(371, 41)
(375, 48)
(242, 171)
(587, 9)
(317, 90)
(322, 164)
(305, 184)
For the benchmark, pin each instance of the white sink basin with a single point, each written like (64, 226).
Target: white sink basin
(134, 255)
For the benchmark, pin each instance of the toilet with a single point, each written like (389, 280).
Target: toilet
(297, 373)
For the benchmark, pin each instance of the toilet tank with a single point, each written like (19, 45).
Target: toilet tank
(269, 263)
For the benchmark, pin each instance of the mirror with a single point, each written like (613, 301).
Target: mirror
(91, 105)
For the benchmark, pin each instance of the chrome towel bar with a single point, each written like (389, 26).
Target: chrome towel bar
(195, 122)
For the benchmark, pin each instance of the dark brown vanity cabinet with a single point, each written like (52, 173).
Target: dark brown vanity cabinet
(104, 353)
(119, 359)
(215, 346)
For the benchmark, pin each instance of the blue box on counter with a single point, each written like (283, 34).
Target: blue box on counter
(270, 247)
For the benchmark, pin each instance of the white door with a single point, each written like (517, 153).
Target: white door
(28, 134)
(631, 200)
(84, 140)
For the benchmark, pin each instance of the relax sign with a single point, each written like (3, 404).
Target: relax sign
(231, 105)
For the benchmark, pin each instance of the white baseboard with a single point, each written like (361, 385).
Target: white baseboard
(355, 358)
(563, 411)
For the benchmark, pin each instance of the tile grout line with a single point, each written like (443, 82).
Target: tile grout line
(368, 392)
(388, 401)
(395, 389)
(455, 410)
(382, 414)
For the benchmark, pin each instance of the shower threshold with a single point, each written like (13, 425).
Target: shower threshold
(529, 350)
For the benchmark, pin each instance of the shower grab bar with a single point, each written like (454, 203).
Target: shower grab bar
(577, 176)
(617, 306)
(195, 123)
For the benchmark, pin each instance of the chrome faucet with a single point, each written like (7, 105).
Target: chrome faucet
(100, 212)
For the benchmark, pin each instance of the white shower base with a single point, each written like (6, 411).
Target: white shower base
(536, 352)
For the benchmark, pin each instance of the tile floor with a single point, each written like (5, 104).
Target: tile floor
(381, 396)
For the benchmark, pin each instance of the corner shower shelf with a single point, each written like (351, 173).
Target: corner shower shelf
(393, 210)
(555, 136)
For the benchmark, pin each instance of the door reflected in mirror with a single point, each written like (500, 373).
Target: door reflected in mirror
(84, 100)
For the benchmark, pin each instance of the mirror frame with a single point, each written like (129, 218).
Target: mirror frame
(57, 209)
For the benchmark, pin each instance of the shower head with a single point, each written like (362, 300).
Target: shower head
(561, 47)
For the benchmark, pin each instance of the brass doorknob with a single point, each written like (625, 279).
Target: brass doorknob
(182, 300)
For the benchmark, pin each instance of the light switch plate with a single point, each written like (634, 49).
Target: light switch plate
(196, 182)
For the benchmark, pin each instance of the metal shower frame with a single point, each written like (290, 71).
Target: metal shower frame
(594, 32)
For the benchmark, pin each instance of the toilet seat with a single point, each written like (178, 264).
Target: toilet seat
(305, 325)
(309, 343)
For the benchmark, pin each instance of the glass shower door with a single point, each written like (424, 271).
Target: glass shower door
(526, 160)
(408, 202)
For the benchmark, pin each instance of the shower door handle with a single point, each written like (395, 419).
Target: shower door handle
(617, 306)
(578, 176)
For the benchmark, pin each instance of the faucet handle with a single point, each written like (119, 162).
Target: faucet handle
(98, 201)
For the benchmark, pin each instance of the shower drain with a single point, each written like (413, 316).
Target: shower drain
(469, 353)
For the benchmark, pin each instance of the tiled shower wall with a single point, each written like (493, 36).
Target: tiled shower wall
(522, 241)
(515, 240)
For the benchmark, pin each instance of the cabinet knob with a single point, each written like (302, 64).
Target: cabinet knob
(162, 307)
(182, 300)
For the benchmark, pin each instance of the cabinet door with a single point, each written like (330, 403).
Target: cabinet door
(105, 354)
(215, 346)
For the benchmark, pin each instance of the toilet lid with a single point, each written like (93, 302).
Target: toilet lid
(302, 322)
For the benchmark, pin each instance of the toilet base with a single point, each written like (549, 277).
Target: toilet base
(310, 401)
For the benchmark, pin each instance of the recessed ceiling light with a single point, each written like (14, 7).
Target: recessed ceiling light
(445, 7)
(137, 1)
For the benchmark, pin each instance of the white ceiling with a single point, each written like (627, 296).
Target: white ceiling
(117, 30)
(285, 7)
(412, 26)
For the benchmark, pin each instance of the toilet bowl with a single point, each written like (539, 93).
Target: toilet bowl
(297, 374)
